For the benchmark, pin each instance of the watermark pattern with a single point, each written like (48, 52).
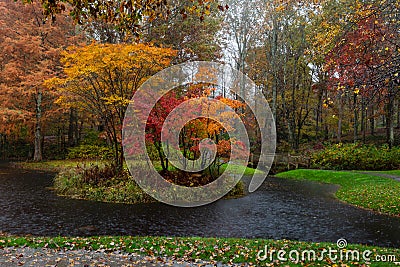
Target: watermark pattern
(341, 243)
(333, 255)
(159, 85)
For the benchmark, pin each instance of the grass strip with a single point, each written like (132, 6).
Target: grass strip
(225, 250)
(55, 165)
(372, 192)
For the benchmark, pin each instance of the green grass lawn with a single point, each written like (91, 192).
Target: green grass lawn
(363, 190)
(392, 172)
(226, 250)
(237, 169)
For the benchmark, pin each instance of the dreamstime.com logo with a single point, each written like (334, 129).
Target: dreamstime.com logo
(332, 255)
(224, 79)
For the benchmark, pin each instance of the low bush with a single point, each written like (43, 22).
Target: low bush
(91, 147)
(357, 157)
(99, 182)
(97, 175)
(152, 152)
(86, 151)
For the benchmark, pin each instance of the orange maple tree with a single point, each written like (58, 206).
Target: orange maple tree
(29, 54)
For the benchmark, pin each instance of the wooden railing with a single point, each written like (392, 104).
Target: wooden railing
(292, 161)
(289, 161)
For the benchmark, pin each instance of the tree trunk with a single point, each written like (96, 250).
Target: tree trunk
(118, 154)
(363, 120)
(326, 131)
(340, 119)
(2, 146)
(73, 130)
(318, 113)
(372, 120)
(38, 154)
(355, 125)
(390, 119)
(397, 114)
(274, 65)
(160, 154)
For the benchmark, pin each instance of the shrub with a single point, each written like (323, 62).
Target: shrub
(86, 151)
(357, 157)
(152, 152)
(91, 147)
(237, 191)
(91, 137)
(95, 174)
(99, 183)
(68, 182)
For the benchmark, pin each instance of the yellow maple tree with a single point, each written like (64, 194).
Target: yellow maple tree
(100, 79)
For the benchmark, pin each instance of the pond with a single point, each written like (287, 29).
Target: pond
(280, 209)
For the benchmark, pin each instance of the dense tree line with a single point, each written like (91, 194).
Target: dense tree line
(329, 68)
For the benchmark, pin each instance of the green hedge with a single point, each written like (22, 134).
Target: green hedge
(357, 157)
(90, 152)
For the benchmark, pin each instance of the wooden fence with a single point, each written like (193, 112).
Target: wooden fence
(287, 161)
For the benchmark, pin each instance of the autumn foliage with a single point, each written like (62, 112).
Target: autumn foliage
(29, 54)
(328, 68)
(194, 131)
(102, 78)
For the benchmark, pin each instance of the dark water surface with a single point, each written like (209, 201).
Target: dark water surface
(280, 209)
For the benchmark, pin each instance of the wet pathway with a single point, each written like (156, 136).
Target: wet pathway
(280, 209)
(386, 175)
